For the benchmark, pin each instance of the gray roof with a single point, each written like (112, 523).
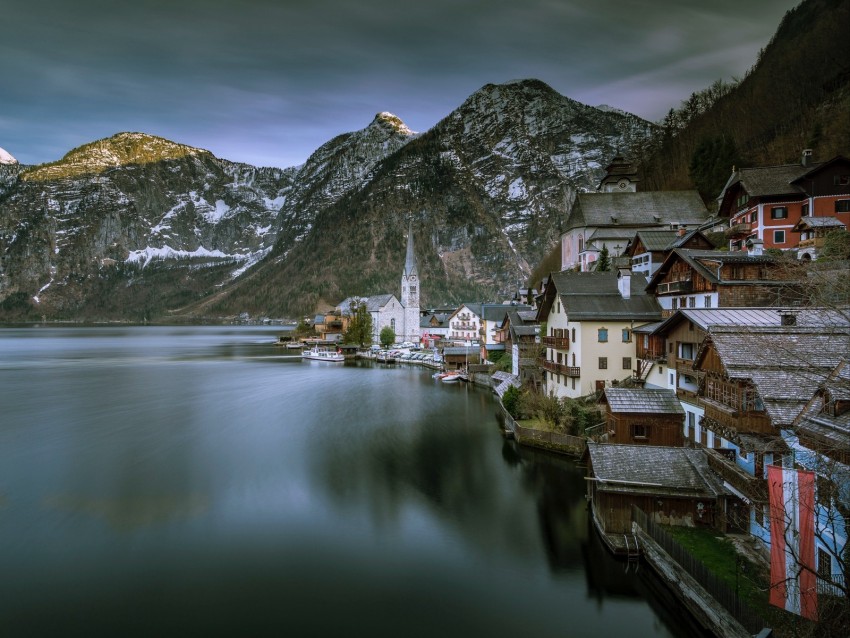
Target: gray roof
(497, 312)
(657, 240)
(650, 468)
(707, 317)
(649, 208)
(504, 380)
(591, 296)
(768, 180)
(425, 321)
(410, 258)
(703, 262)
(373, 303)
(818, 222)
(645, 400)
(785, 363)
(833, 431)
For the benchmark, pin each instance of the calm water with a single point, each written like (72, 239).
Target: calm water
(195, 481)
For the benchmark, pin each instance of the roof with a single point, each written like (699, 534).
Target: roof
(502, 381)
(648, 208)
(645, 400)
(373, 303)
(818, 222)
(786, 364)
(705, 318)
(703, 262)
(595, 295)
(441, 321)
(651, 468)
(768, 180)
(497, 312)
(831, 431)
(410, 258)
(657, 240)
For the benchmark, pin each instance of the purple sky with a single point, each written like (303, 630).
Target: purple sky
(268, 81)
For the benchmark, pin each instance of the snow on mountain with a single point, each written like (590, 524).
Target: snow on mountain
(6, 157)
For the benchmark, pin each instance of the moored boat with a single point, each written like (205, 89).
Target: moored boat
(322, 354)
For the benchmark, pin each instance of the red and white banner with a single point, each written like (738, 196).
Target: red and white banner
(793, 583)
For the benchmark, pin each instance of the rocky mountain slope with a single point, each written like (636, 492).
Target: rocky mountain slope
(135, 226)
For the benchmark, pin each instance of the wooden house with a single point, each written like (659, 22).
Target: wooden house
(715, 279)
(460, 357)
(648, 248)
(813, 232)
(641, 416)
(673, 486)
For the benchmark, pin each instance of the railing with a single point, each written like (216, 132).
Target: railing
(743, 228)
(713, 585)
(832, 585)
(567, 443)
(753, 488)
(683, 285)
(560, 368)
(688, 395)
(561, 343)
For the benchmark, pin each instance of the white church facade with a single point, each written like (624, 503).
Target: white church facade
(402, 315)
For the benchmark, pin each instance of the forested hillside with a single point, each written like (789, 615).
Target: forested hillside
(796, 96)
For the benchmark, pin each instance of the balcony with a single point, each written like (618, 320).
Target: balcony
(738, 230)
(728, 421)
(684, 285)
(560, 368)
(560, 343)
(753, 488)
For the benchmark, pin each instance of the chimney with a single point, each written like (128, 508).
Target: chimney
(624, 282)
(787, 317)
(806, 160)
(755, 247)
(682, 231)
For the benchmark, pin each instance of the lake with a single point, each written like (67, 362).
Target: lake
(199, 481)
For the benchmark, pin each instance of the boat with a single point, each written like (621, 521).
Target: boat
(322, 354)
(452, 377)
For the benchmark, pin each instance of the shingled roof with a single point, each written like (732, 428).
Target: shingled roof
(589, 296)
(644, 400)
(653, 469)
(785, 363)
(649, 208)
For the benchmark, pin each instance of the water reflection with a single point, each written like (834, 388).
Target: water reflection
(195, 481)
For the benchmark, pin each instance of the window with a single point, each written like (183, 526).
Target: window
(675, 303)
(640, 431)
(627, 335)
(574, 383)
(574, 335)
(754, 216)
(708, 301)
(842, 206)
(627, 363)
(692, 302)
(806, 209)
(824, 564)
(672, 381)
(603, 363)
(778, 236)
(779, 212)
(603, 335)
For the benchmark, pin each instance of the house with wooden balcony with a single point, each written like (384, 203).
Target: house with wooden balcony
(642, 416)
(757, 381)
(331, 325)
(589, 321)
(813, 232)
(715, 279)
(648, 248)
(766, 202)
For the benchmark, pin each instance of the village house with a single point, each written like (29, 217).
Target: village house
(647, 249)
(492, 319)
(672, 486)
(820, 440)
(642, 416)
(465, 323)
(666, 352)
(714, 279)
(433, 328)
(767, 202)
(589, 322)
(610, 220)
(331, 325)
(520, 334)
(757, 382)
(813, 232)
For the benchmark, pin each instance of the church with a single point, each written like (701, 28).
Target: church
(402, 315)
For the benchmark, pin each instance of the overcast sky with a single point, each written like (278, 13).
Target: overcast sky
(268, 81)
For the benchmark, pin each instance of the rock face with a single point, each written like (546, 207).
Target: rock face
(137, 226)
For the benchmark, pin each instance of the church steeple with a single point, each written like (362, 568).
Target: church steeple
(410, 260)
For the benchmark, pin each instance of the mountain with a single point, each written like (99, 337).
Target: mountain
(6, 157)
(77, 235)
(486, 189)
(135, 226)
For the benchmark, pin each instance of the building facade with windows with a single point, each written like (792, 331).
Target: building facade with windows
(767, 202)
(589, 317)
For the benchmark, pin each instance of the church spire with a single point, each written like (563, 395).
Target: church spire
(410, 260)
